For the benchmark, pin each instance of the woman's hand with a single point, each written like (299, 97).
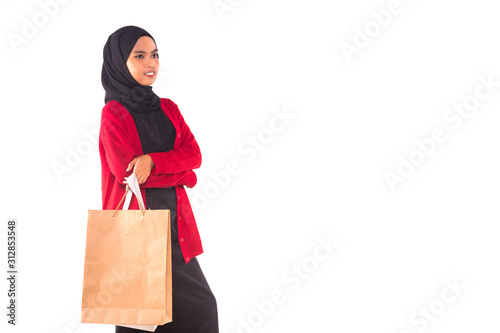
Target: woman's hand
(142, 167)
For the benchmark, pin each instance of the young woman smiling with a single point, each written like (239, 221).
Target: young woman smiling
(144, 134)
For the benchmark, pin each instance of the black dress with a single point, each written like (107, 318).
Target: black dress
(194, 305)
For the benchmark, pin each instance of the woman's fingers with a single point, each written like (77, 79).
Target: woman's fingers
(142, 166)
(141, 173)
(131, 164)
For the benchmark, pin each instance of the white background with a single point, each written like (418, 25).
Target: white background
(321, 176)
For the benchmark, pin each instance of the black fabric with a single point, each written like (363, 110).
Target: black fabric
(157, 134)
(156, 131)
(116, 79)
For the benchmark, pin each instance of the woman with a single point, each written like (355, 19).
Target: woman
(146, 135)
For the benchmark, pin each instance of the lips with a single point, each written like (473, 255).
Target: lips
(149, 73)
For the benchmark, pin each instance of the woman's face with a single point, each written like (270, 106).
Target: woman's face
(143, 62)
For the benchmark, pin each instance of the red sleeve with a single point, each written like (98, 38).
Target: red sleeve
(186, 156)
(116, 142)
(187, 178)
(118, 152)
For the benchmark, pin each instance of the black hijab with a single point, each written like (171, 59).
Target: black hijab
(116, 79)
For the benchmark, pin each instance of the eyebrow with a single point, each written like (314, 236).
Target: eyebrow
(155, 50)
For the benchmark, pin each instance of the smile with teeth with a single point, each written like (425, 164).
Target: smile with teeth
(150, 73)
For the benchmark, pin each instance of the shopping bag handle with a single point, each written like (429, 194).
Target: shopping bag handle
(133, 185)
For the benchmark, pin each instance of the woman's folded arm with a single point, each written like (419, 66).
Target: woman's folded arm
(185, 157)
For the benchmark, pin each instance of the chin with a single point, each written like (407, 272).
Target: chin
(147, 82)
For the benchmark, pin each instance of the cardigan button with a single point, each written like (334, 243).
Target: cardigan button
(179, 197)
(179, 135)
(182, 239)
(187, 258)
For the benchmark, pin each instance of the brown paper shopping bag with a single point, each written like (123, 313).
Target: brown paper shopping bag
(128, 266)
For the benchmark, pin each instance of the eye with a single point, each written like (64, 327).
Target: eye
(156, 55)
(139, 56)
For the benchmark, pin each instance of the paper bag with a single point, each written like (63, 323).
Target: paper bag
(128, 266)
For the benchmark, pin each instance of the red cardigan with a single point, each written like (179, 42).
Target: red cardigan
(119, 143)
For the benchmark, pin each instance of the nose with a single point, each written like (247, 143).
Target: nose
(150, 63)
